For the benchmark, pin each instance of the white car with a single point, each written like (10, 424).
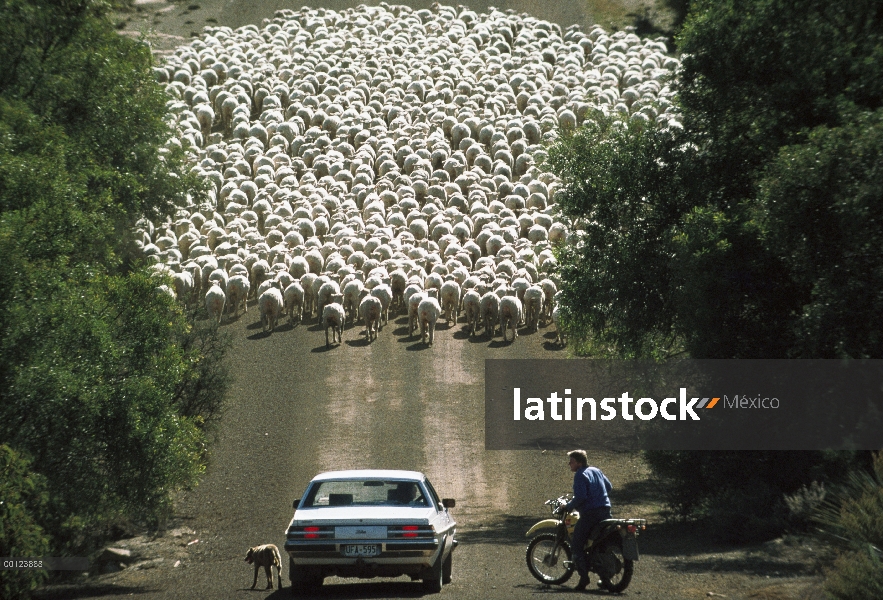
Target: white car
(371, 523)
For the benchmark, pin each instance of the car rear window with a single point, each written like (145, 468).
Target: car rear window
(372, 492)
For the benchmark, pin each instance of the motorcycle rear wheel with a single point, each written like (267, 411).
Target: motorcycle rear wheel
(623, 576)
(543, 565)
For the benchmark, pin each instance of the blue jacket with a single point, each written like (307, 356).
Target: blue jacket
(591, 490)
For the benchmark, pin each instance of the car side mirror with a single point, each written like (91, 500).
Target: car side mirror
(297, 501)
(449, 502)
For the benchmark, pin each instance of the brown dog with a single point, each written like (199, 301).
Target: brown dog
(266, 556)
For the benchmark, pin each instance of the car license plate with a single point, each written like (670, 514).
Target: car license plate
(361, 549)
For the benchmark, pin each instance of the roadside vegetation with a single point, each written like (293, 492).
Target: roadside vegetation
(751, 232)
(106, 385)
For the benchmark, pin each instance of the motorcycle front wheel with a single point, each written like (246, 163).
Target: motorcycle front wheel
(548, 567)
(625, 568)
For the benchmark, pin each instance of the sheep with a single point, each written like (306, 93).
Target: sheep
(549, 292)
(270, 304)
(490, 312)
(394, 183)
(560, 336)
(352, 294)
(183, 286)
(472, 308)
(293, 302)
(450, 300)
(324, 294)
(370, 310)
(533, 306)
(510, 315)
(219, 277)
(333, 318)
(413, 315)
(307, 282)
(428, 312)
(383, 293)
(215, 299)
(398, 281)
(237, 290)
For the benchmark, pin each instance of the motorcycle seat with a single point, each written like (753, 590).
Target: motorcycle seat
(602, 527)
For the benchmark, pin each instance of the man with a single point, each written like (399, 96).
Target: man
(591, 499)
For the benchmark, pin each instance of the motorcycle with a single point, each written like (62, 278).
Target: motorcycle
(612, 548)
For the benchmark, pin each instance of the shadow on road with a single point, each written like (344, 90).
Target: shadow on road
(377, 588)
(506, 529)
(94, 590)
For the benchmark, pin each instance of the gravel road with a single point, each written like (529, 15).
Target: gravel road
(297, 409)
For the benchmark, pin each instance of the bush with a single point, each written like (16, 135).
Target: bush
(22, 500)
(743, 494)
(856, 576)
(854, 515)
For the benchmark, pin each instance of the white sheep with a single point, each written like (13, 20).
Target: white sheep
(490, 312)
(307, 282)
(237, 291)
(560, 335)
(383, 293)
(333, 318)
(325, 293)
(413, 304)
(293, 302)
(215, 299)
(472, 309)
(270, 304)
(428, 312)
(352, 294)
(370, 310)
(450, 300)
(533, 306)
(549, 292)
(510, 316)
(183, 285)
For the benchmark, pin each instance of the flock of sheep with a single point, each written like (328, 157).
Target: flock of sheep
(385, 159)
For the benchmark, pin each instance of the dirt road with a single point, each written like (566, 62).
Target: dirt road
(297, 409)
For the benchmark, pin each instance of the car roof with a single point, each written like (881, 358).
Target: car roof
(370, 474)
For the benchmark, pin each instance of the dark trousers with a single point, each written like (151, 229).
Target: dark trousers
(587, 520)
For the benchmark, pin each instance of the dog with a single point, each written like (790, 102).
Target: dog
(266, 556)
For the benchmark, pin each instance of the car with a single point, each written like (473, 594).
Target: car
(371, 523)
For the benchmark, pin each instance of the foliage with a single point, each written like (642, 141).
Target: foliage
(804, 504)
(750, 232)
(616, 278)
(742, 494)
(22, 500)
(105, 383)
(856, 576)
(855, 516)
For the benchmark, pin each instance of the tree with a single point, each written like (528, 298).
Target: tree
(753, 205)
(106, 384)
(23, 501)
(751, 232)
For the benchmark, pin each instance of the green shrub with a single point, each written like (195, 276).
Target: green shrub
(854, 515)
(22, 499)
(856, 576)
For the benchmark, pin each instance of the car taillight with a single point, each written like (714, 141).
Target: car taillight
(311, 532)
(632, 529)
(410, 531)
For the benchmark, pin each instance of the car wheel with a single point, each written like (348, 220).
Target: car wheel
(432, 582)
(447, 566)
